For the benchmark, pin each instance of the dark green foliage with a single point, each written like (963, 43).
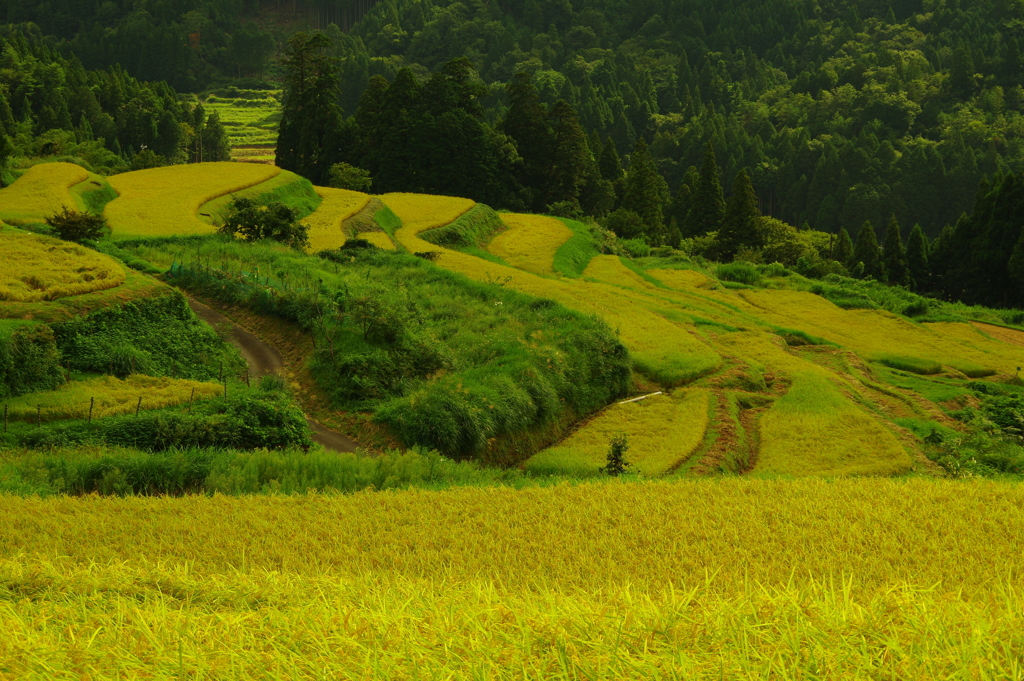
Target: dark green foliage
(626, 224)
(740, 272)
(275, 220)
(248, 420)
(646, 193)
(569, 160)
(346, 176)
(156, 336)
(71, 225)
(868, 253)
(610, 165)
(475, 227)
(897, 272)
(29, 359)
(617, 463)
(917, 259)
(707, 211)
(572, 257)
(843, 252)
(741, 228)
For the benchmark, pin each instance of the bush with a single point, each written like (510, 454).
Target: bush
(740, 272)
(71, 225)
(273, 221)
(347, 176)
(635, 248)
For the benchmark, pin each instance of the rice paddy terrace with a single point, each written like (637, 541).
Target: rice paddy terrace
(681, 575)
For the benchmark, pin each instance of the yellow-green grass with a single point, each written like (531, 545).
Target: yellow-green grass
(668, 351)
(337, 205)
(530, 242)
(112, 396)
(42, 191)
(662, 431)
(136, 285)
(420, 212)
(875, 334)
(379, 239)
(215, 210)
(710, 579)
(43, 268)
(683, 279)
(166, 201)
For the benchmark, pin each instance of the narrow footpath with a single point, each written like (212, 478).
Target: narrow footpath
(263, 359)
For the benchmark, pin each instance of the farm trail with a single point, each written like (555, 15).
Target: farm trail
(263, 359)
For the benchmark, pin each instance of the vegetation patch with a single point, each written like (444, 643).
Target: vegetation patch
(914, 365)
(530, 242)
(166, 201)
(43, 268)
(42, 190)
(285, 187)
(104, 396)
(325, 224)
(573, 256)
(474, 228)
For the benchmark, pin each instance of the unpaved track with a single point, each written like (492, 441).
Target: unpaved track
(263, 359)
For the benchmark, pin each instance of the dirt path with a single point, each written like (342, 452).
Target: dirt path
(1011, 336)
(263, 359)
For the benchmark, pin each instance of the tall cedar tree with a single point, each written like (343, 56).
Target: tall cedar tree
(569, 155)
(526, 123)
(742, 224)
(367, 111)
(394, 163)
(310, 128)
(708, 209)
(917, 260)
(894, 255)
(645, 190)
(610, 164)
(867, 251)
(843, 251)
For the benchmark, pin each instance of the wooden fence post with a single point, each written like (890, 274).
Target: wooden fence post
(92, 403)
(191, 397)
(39, 415)
(5, 416)
(138, 406)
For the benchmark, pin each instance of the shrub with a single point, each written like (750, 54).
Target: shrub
(740, 272)
(346, 176)
(617, 463)
(635, 248)
(71, 225)
(273, 221)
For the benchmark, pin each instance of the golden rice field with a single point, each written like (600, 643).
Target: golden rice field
(43, 268)
(530, 242)
(338, 205)
(110, 396)
(215, 210)
(420, 212)
(662, 431)
(707, 579)
(379, 239)
(42, 191)
(166, 201)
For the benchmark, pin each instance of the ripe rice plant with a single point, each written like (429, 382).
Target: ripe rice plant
(285, 187)
(420, 212)
(112, 395)
(42, 191)
(683, 279)
(662, 430)
(324, 223)
(603, 580)
(166, 201)
(531, 241)
(379, 239)
(43, 268)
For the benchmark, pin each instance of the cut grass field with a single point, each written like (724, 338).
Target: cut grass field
(166, 201)
(42, 191)
(712, 579)
(44, 268)
(113, 396)
(662, 432)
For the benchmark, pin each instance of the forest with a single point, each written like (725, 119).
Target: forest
(837, 114)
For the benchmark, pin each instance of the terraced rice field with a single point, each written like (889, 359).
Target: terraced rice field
(530, 242)
(166, 201)
(662, 430)
(44, 268)
(42, 191)
(251, 122)
(109, 396)
(707, 579)
(338, 205)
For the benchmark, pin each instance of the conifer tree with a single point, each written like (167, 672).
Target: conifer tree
(742, 224)
(917, 259)
(708, 208)
(610, 164)
(843, 251)
(866, 251)
(526, 123)
(645, 192)
(569, 155)
(895, 255)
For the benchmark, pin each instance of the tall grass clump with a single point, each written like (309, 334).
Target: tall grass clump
(739, 272)
(29, 358)
(445, 362)
(573, 256)
(475, 227)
